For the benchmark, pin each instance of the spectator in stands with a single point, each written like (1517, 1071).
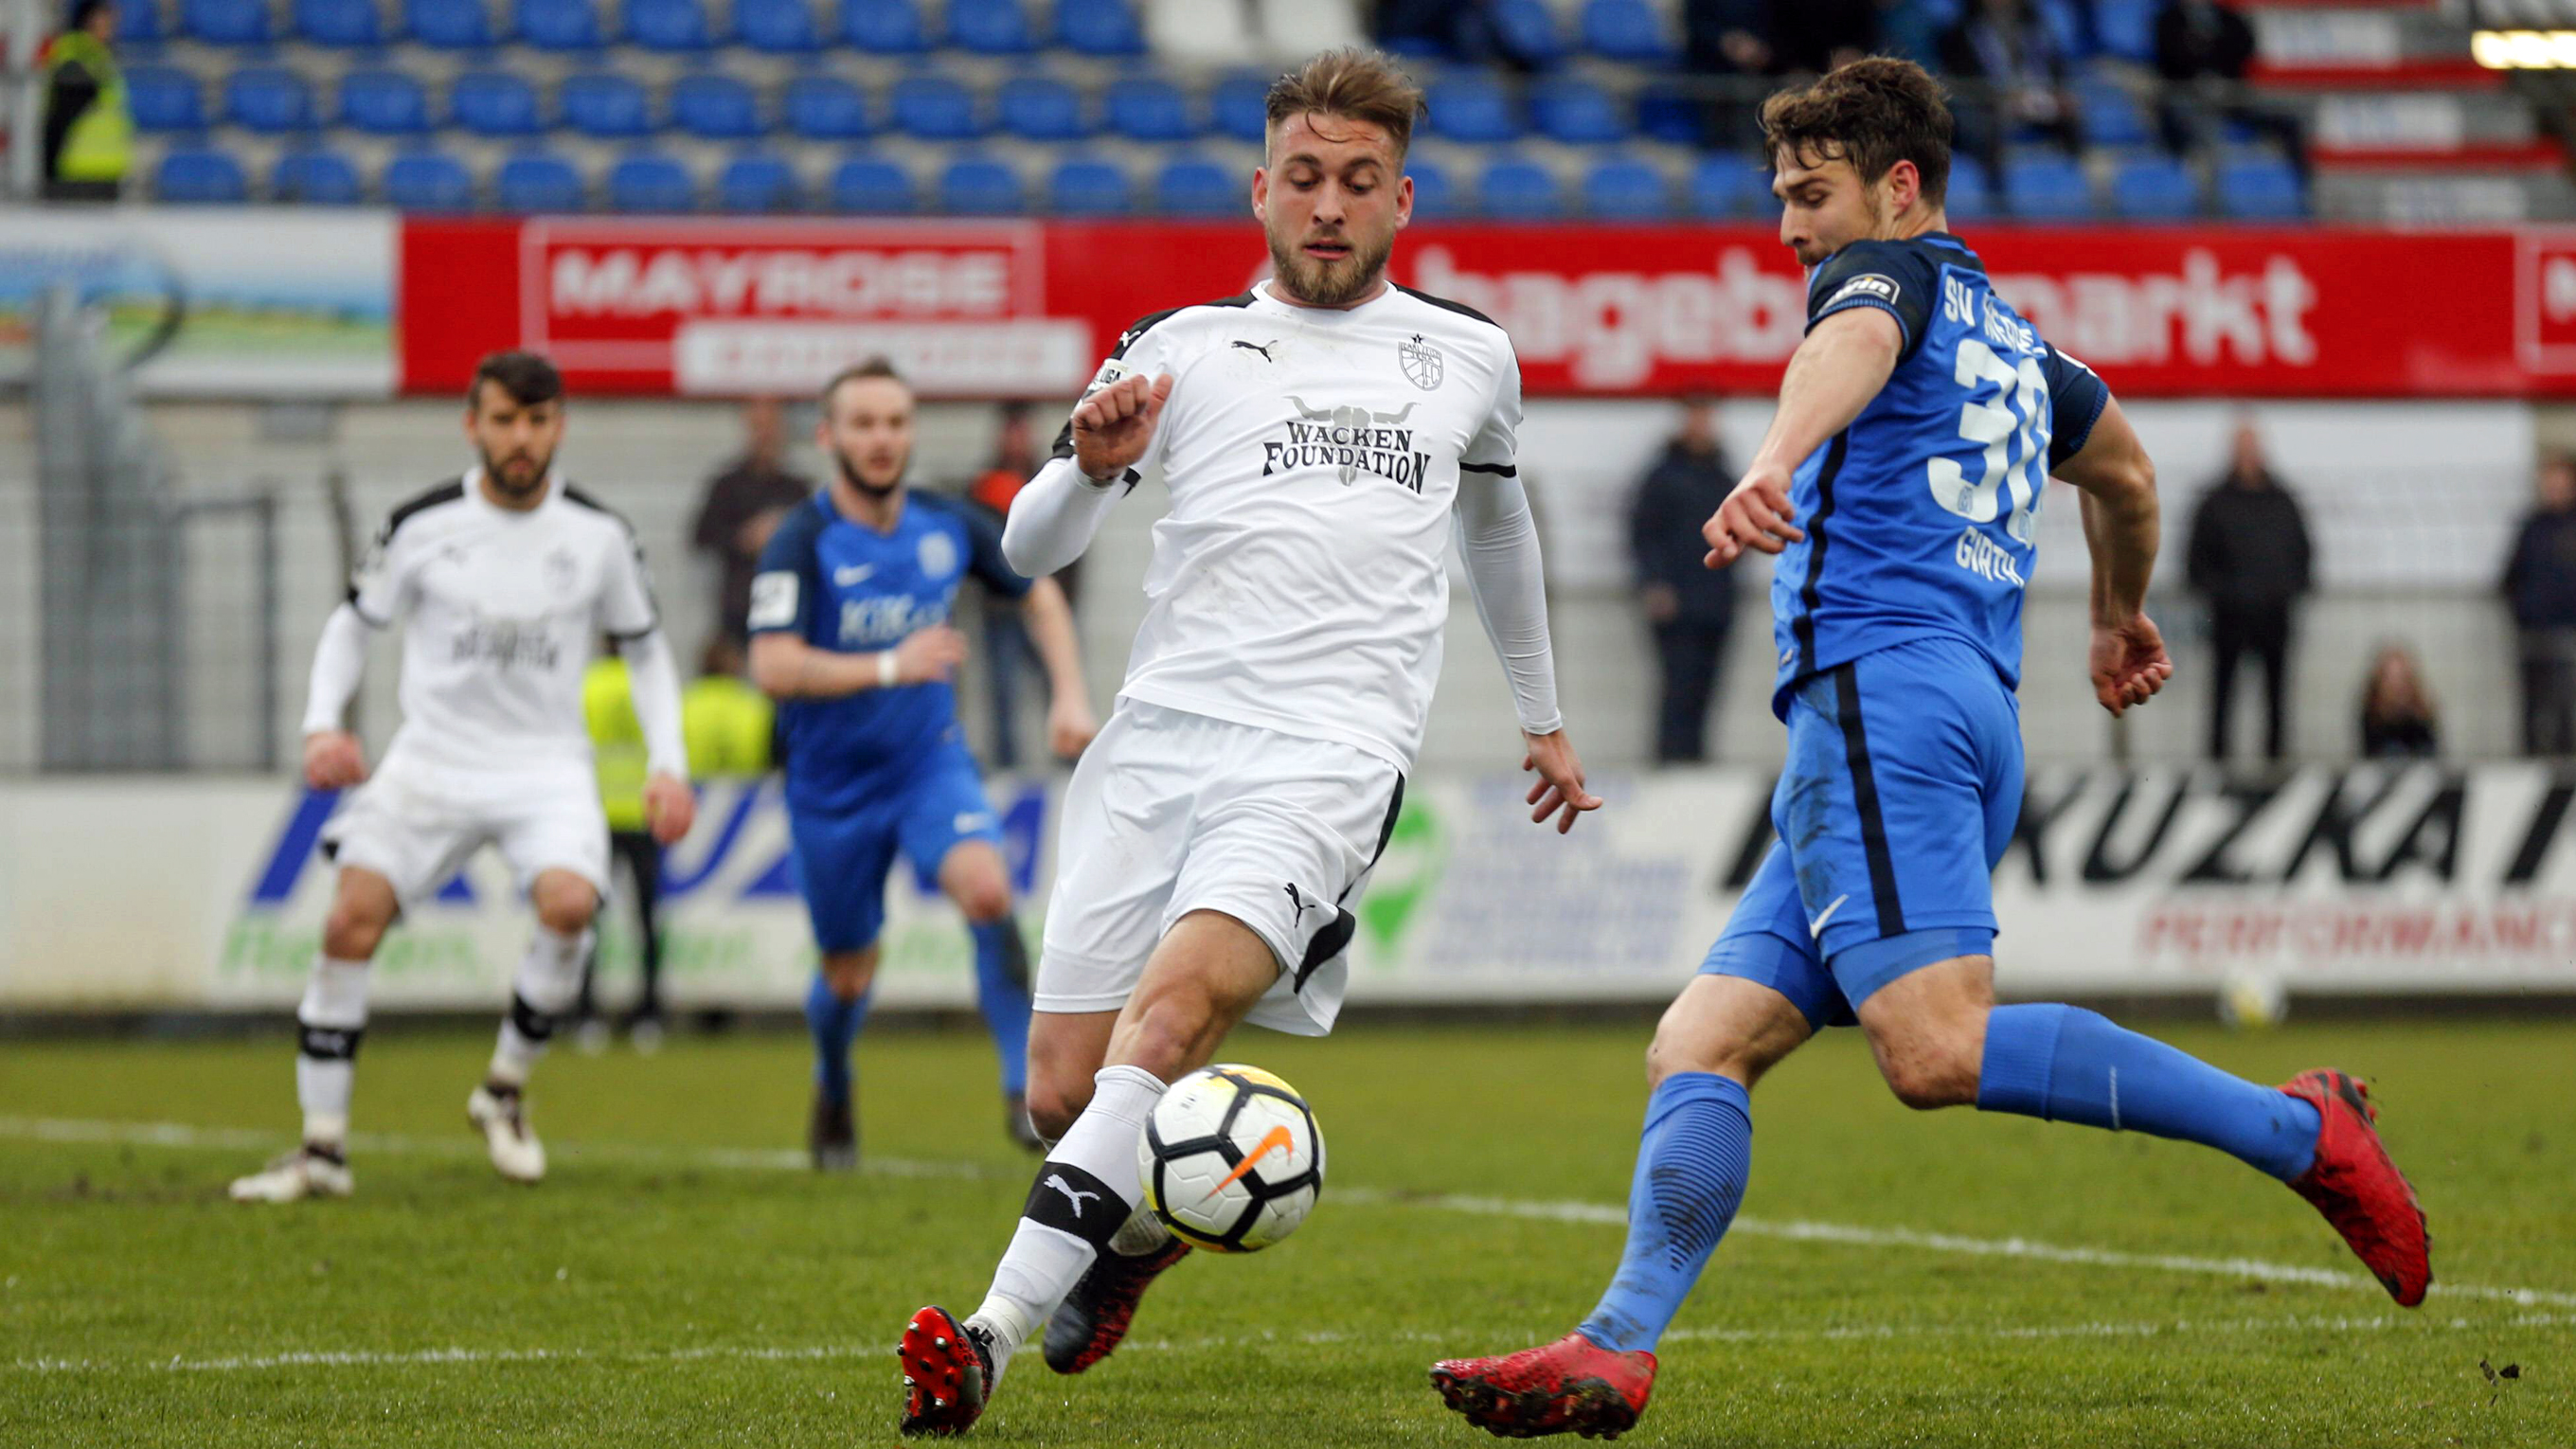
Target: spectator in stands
(2249, 558)
(2008, 72)
(1464, 29)
(1689, 606)
(2202, 51)
(89, 129)
(743, 506)
(1010, 656)
(1729, 44)
(2398, 720)
(2540, 583)
(1814, 36)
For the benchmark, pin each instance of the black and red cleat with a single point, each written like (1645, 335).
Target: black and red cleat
(1571, 1386)
(2360, 1190)
(947, 1372)
(1089, 1324)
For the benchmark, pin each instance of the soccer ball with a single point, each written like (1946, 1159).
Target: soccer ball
(1231, 1159)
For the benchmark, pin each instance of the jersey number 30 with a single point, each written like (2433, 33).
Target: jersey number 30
(2013, 428)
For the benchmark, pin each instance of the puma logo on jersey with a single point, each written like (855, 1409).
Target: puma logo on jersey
(1298, 900)
(1261, 347)
(1056, 1181)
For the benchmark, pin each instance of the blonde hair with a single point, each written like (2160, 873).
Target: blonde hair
(1354, 83)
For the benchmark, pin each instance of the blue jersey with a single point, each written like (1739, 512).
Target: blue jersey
(844, 586)
(1920, 517)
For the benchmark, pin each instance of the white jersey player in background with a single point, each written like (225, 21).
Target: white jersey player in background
(503, 581)
(1322, 436)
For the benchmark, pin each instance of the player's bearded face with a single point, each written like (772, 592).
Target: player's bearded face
(516, 440)
(867, 428)
(1330, 206)
(1824, 206)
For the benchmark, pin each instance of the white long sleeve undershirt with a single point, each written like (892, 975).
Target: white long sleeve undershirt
(1054, 518)
(1499, 540)
(653, 680)
(339, 661)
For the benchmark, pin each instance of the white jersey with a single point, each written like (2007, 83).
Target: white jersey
(1299, 582)
(501, 611)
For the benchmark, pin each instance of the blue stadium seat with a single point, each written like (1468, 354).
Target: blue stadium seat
(268, 98)
(824, 108)
(349, 23)
(935, 108)
(2127, 28)
(2111, 115)
(164, 99)
(1626, 189)
(1577, 112)
(1098, 27)
(558, 25)
(979, 186)
(200, 174)
(604, 103)
(1087, 186)
(1970, 196)
(1725, 183)
(1626, 30)
(717, 107)
(2154, 187)
(757, 181)
(651, 181)
(871, 185)
(138, 22)
(1040, 108)
(1434, 195)
(1671, 115)
(534, 181)
(493, 103)
(1196, 186)
(226, 22)
(888, 27)
(1527, 29)
(383, 102)
(2047, 186)
(428, 181)
(1240, 108)
(991, 27)
(2260, 188)
(1514, 188)
(1473, 108)
(449, 24)
(781, 27)
(316, 178)
(1143, 108)
(669, 25)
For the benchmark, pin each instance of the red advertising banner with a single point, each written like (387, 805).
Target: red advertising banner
(1026, 308)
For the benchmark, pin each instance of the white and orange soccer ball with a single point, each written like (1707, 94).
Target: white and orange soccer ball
(1231, 1159)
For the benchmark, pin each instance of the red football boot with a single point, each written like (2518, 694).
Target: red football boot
(1571, 1386)
(1089, 1324)
(947, 1372)
(2360, 1190)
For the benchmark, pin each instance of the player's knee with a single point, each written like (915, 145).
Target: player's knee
(848, 973)
(1931, 1072)
(983, 901)
(1171, 1030)
(353, 929)
(1053, 1104)
(565, 905)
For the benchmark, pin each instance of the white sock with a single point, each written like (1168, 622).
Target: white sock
(1142, 1233)
(1085, 1192)
(330, 1022)
(547, 984)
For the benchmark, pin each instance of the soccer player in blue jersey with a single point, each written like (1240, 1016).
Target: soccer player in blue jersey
(1917, 425)
(850, 633)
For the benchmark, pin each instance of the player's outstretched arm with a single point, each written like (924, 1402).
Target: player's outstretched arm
(670, 806)
(2121, 528)
(333, 758)
(786, 667)
(1054, 518)
(1832, 376)
(1070, 722)
(1498, 538)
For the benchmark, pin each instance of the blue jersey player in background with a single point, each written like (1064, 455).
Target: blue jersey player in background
(1918, 424)
(850, 633)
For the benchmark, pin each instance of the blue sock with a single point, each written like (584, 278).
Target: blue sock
(1691, 1164)
(1002, 994)
(835, 1024)
(2066, 1064)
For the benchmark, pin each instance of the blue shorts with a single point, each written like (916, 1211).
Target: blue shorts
(1901, 791)
(843, 857)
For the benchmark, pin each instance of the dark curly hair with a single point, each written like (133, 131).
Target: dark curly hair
(1872, 113)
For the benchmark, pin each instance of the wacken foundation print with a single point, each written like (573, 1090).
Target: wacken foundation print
(1350, 440)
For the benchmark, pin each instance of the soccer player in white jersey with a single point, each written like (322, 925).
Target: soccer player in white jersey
(501, 581)
(1321, 437)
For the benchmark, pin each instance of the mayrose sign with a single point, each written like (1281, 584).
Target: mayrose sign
(1025, 308)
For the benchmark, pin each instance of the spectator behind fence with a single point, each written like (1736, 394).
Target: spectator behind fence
(1689, 606)
(2009, 72)
(2250, 561)
(2540, 583)
(2398, 720)
(1464, 29)
(88, 138)
(1011, 660)
(2202, 51)
(743, 506)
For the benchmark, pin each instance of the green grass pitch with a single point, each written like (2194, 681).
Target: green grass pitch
(679, 1280)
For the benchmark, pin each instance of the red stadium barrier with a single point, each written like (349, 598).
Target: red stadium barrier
(1025, 308)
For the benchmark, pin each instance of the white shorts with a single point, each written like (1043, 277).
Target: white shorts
(415, 821)
(1171, 812)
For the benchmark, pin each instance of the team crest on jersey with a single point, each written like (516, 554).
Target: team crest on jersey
(1423, 366)
(563, 571)
(938, 555)
(1351, 441)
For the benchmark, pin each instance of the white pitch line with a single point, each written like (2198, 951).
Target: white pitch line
(180, 1135)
